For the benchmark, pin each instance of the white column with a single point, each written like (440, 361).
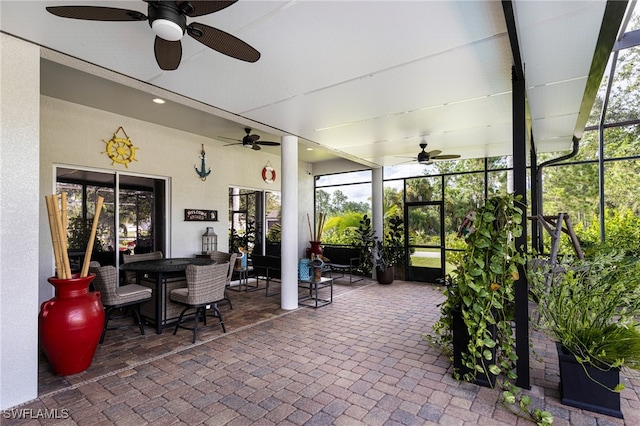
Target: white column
(19, 220)
(289, 244)
(376, 204)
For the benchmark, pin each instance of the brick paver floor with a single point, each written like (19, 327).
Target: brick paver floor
(358, 361)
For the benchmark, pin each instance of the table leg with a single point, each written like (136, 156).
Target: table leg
(331, 287)
(159, 303)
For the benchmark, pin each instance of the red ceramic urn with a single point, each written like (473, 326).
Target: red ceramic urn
(315, 248)
(71, 324)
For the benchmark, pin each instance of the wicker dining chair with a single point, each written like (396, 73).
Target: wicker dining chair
(114, 297)
(205, 288)
(222, 257)
(130, 277)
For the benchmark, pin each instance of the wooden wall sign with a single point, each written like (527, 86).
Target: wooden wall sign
(199, 215)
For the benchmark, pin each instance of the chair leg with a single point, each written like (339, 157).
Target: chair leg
(138, 320)
(226, 297)
(180, 319)
(107, 316)
(195, 325)
(200, 315)
(218, 314)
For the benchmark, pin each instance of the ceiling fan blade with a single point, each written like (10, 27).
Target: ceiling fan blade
(434, 153)
(404, 162)
(203, 7)
(168, 53)
(446, 157)
(223, 42)
(256, 147)
(268, 143)
(96, 13)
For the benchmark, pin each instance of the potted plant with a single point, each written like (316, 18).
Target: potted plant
(364, 244)
(476, 322)
(394, 242)
(382, 262)
(591, 308)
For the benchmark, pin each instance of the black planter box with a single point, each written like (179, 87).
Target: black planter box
(460, 342)
(580, 391)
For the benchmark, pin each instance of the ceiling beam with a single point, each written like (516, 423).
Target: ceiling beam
(518, 69)
(611, 21)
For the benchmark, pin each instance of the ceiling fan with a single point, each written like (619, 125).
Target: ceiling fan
(250, 141)
(425, 157)
(168, 19)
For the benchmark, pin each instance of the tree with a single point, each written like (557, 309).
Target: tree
(323, 202)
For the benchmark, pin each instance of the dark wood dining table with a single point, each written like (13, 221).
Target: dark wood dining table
(161, 269)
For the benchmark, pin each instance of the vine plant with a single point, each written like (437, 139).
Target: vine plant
(482, 290)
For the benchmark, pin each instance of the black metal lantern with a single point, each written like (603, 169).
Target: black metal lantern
(209, 241)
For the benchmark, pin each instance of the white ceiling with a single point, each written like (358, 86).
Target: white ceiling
(363, 80)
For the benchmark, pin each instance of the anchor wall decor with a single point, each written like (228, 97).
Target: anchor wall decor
(203, 173)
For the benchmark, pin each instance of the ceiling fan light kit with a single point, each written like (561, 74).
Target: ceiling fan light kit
(168, 20)
(167, 29)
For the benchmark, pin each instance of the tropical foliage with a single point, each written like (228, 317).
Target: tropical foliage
(482, 291)
(592, 308)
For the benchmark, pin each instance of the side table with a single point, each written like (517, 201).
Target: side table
(313, 300)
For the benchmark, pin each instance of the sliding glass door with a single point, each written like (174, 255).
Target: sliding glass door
(132, 219)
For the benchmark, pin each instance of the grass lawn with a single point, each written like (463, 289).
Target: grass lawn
(432, 261)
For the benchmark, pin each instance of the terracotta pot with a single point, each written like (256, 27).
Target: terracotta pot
(70, 324)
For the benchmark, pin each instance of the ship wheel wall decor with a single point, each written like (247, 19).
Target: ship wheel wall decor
(120, 150)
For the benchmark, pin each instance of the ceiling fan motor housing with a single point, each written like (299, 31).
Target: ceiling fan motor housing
(423, 157)
(166, 20)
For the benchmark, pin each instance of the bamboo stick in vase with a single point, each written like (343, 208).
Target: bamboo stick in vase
(311, 236)
(63, 208)
(55, 238)
(64, 254)
(320, 226)
(92, 236)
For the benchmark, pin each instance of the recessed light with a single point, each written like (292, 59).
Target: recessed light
(158, 100)
(309, 149)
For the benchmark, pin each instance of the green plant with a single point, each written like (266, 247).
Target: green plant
(380, 253)
(364, 244)
(394, 241)
(245, 240)
(391, 251)
(622, 230)
(592, 308)
(482, 290)
(79, 231)
(275, 233)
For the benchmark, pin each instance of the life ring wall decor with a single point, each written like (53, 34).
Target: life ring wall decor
(268, 174)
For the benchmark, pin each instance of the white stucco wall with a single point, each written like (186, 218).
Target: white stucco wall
(73, 135)
(19, 246)
(39, 132)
